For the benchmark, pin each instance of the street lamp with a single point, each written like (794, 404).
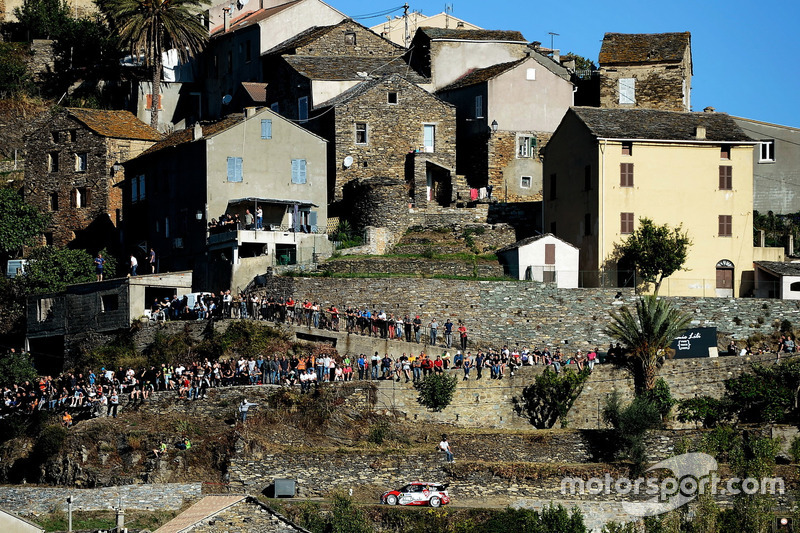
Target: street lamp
(495, 125)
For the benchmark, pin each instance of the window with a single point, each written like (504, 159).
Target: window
(725, 177)
(72, 135)
(479, 106)
(235, 169)
(109, 302)
(587, 178)
(392, 97)
(627, 90)
(725, 151)
(230, 61)
(166, 227)
(80, 162)
(725, 226)
(525, 146)
(429, 137)
(54, 136)
(53, 201)
(626, 223)
(48, 238)
(553, 228)
(626, 175)
(248, 53)
(350, 38)
(298, 171)
(530, 74)
(587, 224)
(45, 309)
(766, 151)
(627, 148)
(526, 182)
(80, 197)
(275, 107)
(52, 162)
(302, 109)
(141, 187)
(361, 133)
(552, 187)
(266, 128)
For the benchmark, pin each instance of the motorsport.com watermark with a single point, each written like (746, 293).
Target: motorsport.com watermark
(693, 474)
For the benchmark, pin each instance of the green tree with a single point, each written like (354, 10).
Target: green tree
(657, 252)
(151, 27)
(14, 76)
(345, 516)
(646, 335)
(43, 19)
(19, 223)
(52, 269)
(436, 390)
(630, 424)
(16, 368)
(766, 393)
(550, 397)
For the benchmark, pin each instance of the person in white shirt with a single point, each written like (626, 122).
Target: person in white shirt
(445, 447)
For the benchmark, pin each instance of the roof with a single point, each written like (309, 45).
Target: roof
(779, 268)
(250, 18)
(200, 511)
(644, 47)
(347, 68)
(473, 35)
(365, 86)
(659, 125)
(476, 76)
(529, 240)
(115, 123)
(312, 34)
(256, 91)
(254, 200)
(185, 135)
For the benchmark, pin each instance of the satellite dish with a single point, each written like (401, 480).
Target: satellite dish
(348, 161)
(243, 3)
(227, 99)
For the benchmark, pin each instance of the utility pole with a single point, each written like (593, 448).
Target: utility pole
(407, 38)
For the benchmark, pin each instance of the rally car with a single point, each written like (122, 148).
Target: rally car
(418, 493)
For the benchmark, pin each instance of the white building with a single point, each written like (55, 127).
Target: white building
(544, 258)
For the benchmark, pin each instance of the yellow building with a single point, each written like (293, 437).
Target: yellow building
(604, 169)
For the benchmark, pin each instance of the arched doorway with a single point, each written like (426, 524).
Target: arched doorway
(725, 278)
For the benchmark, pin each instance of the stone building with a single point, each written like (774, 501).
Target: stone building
(648, 70)
(390, 127)
(73, 169)
(505, 113)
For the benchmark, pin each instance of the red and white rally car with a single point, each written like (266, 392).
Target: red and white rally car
(418, 493)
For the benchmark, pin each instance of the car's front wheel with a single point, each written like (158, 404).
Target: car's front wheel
(391, 499)
(435, 501)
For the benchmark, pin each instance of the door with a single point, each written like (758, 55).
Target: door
(429, 182)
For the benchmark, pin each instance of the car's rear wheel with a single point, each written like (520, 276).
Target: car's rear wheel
(391, 499)
(435, 501)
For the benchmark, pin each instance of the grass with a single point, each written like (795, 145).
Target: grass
(436, 257)
(58, 520)
(372, 275)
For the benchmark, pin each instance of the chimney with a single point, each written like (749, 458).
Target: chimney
(226, 19)
(708, 109)
(536, 44)
(700, 132)
(197, 131)
(556, 55)
(249, 112)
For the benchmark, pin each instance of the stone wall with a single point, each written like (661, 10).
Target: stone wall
(379, 202)
(28, 500)
(416, 267)
(657, 86)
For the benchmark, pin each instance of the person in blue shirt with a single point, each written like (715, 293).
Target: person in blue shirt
(99, 261)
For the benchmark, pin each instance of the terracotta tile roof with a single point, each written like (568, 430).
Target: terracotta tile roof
(347, 68)
(473, 35)
(256, 91)
(115, 123)
(658, 125)
(644, 47)
(185, 135)
(250, 18)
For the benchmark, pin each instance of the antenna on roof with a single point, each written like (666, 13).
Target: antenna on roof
(448, 10)
(552, 39)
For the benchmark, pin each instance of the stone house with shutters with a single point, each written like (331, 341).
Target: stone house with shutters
(646, 70)
(391, 128)
(505, 113)
(74, 169)
(605, 169)
(178, 190)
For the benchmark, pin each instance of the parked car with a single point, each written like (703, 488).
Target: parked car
(418, 493)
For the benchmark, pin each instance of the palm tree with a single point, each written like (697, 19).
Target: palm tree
(646, 335)
(152, 27)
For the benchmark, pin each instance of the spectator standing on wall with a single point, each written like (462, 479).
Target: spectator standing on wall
(445, 447)
(259, 218)
(462, 332)
(134, 265)
(434, 329)
(243, 408)
(152, 260)
(448, 333)
(99, 262)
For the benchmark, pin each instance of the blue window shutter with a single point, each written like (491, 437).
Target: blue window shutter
(312, 221)
(298, 171)
(266, 128)
(235, 169)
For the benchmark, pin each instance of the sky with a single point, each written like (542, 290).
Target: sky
(743, 51)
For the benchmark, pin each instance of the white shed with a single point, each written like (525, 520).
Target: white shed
(775, 279)
(544, 258)
(11, 523)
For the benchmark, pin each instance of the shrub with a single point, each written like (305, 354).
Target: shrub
(661, 397)
(794, 449)
(378, 432)
(703, 409)
(630, 424)
(436, 390)
(550, 397)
